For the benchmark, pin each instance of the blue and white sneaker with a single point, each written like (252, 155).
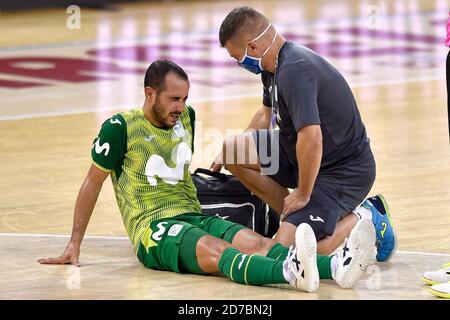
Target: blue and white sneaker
(387, 240)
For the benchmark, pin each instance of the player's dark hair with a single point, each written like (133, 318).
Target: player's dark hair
(241, 19)
(155, 76)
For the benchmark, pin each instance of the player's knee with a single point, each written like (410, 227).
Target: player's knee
(265, 243)
(214, 246)
(262, 245)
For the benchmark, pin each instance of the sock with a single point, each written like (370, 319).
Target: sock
(278, 252)
(324, 264)
(363, 213)
(250, 269)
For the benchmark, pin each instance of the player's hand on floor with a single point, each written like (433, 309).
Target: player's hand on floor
(292, 203)
(70, 255)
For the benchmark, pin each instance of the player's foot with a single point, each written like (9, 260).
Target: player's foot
(355, 256)
(439, 276)
(386, 237)
(300, 266)
(441, 290)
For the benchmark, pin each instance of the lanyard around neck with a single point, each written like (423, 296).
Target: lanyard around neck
(274, 98)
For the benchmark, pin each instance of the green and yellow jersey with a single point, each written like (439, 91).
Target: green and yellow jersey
(149, 168)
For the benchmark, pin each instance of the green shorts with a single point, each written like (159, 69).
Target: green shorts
(170, 244)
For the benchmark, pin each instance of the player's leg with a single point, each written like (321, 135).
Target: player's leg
(343, 229)
(213, 254)
(345, 266)
(251, 243)
(322, 213)
(328, 244)
(177, 245)
(255, 251)
(242, 158)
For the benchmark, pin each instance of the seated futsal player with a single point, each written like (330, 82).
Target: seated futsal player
(147, 152)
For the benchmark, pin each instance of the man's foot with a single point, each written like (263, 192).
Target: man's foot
(439, 276)
(441, 290)
(387, 240)
(300, 266)
(354, 257)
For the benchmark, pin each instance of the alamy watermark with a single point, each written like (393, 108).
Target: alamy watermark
(73, 278)
(373, 14)
(73, 21)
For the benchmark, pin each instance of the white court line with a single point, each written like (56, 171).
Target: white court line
(42, 235)
(425, 253)
(93, 110)
(363, 84)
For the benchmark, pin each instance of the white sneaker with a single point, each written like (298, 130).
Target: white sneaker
(438, 276)
(441, 290)
(356, 254)
(300, 266)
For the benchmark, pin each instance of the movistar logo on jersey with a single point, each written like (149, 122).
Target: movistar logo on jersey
(99, 148)
(157, 167)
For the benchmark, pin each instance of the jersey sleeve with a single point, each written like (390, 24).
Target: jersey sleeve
(299, 89)
(192, 119)
(110, 145)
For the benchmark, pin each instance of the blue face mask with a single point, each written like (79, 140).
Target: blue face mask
(253, 64)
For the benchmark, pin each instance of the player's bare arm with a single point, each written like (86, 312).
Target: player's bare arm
(86, 200)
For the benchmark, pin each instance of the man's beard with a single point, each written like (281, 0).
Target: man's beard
(159, 114)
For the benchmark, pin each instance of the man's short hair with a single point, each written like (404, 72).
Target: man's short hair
(241, 19)
(155, 76)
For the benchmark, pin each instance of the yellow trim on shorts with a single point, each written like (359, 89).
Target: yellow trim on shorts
(101, 168)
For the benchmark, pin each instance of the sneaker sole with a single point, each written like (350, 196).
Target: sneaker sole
(388, 212)
(439, 293)
(305, 240)
(429, 281)
(362, 239)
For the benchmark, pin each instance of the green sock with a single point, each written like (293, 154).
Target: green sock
(324, 266)
(278, 252)
(250, 269)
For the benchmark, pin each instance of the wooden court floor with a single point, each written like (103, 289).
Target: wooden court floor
(47, 124)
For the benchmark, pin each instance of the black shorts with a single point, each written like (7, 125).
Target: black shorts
(337, 191)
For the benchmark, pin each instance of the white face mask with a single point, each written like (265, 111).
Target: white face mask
(253, 64)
